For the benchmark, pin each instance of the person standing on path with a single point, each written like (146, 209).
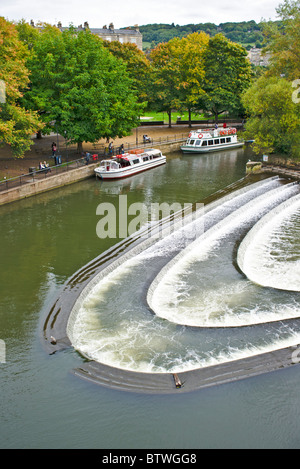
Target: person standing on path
(53, 146)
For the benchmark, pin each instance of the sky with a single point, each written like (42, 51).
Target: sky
(124, 13)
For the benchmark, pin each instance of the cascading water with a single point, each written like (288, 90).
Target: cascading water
(270, 253)
(198, 285)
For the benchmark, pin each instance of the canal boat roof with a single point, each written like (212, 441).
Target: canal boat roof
(134, 154)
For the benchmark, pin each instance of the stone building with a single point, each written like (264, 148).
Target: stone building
(256, 57)
(131, 34)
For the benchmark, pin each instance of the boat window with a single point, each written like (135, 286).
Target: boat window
(192, 142)
(223, 140)
(114, 165)
(145, 158)
(198, 142)
(157, 155)
(204, 143)
(210, 142)
(124, 163)
(217, 141)
(135, 161)
(228, 139)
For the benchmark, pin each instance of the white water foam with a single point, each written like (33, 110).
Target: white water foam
(270, 253)
(215, 302)
(111, 325)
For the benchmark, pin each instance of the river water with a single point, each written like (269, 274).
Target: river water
(45, 239)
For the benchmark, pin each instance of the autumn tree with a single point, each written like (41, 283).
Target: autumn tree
(16, 123)
(81, 87)
(179, 72)
(137, 65)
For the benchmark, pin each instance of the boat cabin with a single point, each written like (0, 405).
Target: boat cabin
(208, 138)
(129, 159)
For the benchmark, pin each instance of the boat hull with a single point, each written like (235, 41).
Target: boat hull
(128, 171)
(192, 149)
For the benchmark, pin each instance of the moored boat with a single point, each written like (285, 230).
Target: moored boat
(130, 163)
(208, 140)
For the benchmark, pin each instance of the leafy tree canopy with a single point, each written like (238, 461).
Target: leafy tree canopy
(284, 41)
(16, 123)
(137, 65)
(272, 102)
(80, 87)
(274, 117)
(227, 75)
(179, 72)
(247, 33)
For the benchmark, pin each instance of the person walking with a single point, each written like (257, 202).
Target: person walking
(53, 146)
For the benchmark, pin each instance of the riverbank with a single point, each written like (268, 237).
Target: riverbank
(35, 182)
(41, 148)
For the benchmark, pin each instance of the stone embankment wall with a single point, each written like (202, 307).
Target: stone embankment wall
(51, 182)
(275, 167)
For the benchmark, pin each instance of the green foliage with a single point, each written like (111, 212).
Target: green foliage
(274, 117)
(81, 87)
(227, 75)
(274, 111)
(283, 42)
(137, 65)
(245, 32)
(198, 72)
(178, 72)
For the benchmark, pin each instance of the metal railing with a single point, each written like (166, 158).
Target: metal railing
(100, 150)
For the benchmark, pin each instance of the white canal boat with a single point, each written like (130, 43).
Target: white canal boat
(208, 140)
(130, 163)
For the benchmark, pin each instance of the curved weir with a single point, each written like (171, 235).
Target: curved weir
(181, 303)
(270, 253)
(200, 286)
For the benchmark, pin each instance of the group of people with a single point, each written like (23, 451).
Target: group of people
(111, 149)
(224, 126)
(44, 167)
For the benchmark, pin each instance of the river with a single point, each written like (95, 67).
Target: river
(45, 239)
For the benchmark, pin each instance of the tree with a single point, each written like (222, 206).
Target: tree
(227, 75)
(192, 71)
(179, 72)
(283, 41)
(274, 120)
(81, 87)
(137, 65)
(16, 123)
(272, 101)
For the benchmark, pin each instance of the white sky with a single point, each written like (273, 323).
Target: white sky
(124, 13)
